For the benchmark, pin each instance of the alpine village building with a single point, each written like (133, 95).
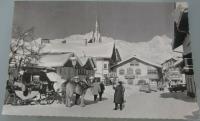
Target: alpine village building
(136, 70)
(94, 58)
(182, 38)
(171, 73)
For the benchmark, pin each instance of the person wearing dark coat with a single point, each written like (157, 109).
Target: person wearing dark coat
(119, 95)
(102, 90)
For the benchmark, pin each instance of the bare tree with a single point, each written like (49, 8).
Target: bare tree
(23, 48)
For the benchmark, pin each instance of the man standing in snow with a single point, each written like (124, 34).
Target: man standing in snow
(102, 90)
(77, 90)
(119, 95)
(95, 89)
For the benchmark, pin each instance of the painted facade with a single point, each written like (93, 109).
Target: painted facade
(171, 73)
(133, 70)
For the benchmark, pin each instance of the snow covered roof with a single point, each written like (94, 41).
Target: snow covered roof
(137, 58)
(102, 50)
(170, 59)
(54, 60)
(84, 60)
(156, 50)
(88, 62)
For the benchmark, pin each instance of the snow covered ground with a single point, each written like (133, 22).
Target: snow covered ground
(159, 105)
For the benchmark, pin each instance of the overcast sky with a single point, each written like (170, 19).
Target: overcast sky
(130, 21)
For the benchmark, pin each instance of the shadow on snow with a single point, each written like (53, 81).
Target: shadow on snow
(178, 95)
(90, 102)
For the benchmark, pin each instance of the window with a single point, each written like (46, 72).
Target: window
(105, 66)
(45, 41)
(152, 71)
(138, 71)
(134, 63)
(129, 71)
(121, 72)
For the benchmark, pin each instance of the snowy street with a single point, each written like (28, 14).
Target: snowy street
(161, 104)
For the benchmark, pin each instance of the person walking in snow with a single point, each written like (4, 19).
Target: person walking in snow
(102, 90)
(77, 90)
(95, 89)
(119, 95)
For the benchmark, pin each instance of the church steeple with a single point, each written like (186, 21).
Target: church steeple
(96, 35)
(96, 32)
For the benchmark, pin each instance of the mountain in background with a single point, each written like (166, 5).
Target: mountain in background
(157, 50)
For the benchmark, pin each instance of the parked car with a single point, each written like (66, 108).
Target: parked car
(145, 88)
(141, 82)
(177, 87)
(153, 86)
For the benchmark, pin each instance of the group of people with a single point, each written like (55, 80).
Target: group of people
(96, 89)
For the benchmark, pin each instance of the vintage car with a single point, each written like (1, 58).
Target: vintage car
(177, 87)
(141, 82)
(145, 88)
(153, 86)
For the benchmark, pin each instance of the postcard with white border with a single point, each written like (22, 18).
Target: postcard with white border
(100, 59)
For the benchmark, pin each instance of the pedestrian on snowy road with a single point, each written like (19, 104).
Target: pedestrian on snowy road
(95, 89)
(77, 90)
(119, 95)
(102, 90)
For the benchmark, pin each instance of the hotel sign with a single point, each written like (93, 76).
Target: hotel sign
(129, 76)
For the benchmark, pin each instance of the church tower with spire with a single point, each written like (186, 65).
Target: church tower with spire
(96, 36)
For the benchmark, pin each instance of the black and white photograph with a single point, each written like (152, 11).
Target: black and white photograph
(100, 59)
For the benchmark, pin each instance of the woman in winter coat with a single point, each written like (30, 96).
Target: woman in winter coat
(119, 95)
(95, 89)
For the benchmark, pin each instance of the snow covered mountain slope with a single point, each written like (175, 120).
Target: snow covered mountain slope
(157, 50)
